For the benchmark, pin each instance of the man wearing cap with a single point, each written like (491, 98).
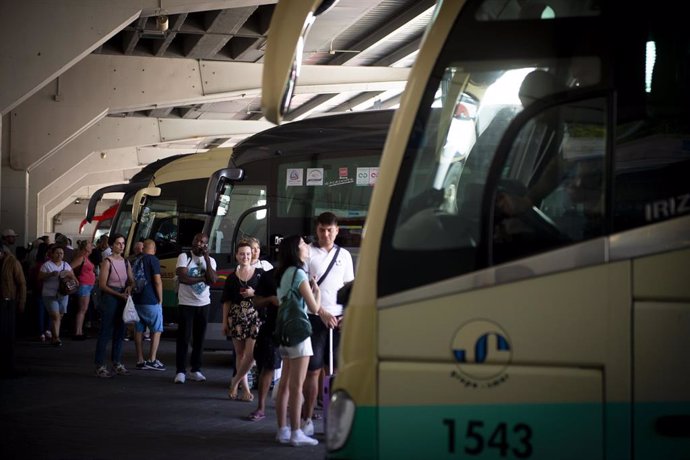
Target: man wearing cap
(9, 238)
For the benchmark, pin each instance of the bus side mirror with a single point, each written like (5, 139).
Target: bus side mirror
(216, 184)
(137, 204)
(140, 200)
(289, 27)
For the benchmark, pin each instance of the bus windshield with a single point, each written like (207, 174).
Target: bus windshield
(173, 218)
(299, 190)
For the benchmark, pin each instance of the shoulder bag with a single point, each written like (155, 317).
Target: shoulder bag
(67, 285)
(330, 265)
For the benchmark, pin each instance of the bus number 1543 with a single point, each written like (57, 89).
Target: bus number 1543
(476, 438)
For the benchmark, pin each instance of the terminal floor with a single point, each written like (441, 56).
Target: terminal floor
(60, 410)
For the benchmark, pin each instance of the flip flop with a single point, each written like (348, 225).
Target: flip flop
(233, 396)
(256, 416)
(247, 397)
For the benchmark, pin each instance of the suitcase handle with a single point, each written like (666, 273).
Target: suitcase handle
(330, 351)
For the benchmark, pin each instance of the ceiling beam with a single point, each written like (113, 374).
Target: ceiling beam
(101, 84)
(161, 46)
(308, 107)
(392, 25)
(30, 60)
(222, 26)
(113, 136)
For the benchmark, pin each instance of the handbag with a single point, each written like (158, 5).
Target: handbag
(129, 314)
(292, 323)
(67, 285)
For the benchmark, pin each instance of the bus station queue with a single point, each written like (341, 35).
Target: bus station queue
(250, 302)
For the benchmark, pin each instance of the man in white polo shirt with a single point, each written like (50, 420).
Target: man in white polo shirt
(331, 267)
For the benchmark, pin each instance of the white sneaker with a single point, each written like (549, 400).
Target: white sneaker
(298, 438)
(197, 376)
(283, 435)
(308, 427)
(120, 369)
(103, 372)
(179, 377)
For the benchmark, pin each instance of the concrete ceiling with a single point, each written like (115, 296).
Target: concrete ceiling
(94, 90)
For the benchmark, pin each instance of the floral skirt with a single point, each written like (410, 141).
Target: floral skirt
(244, 321)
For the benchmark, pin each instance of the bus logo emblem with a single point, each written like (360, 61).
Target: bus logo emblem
(482, 352)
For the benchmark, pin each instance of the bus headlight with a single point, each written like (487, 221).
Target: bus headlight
(341, 413)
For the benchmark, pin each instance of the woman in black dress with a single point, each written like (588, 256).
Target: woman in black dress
(241, 320)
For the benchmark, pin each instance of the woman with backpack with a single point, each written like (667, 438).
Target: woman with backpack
(292, 255)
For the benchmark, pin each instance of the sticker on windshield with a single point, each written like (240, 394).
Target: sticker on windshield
(314, 176)
(294, 177)
(367, 176)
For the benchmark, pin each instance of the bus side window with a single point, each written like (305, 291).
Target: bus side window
(652, 162)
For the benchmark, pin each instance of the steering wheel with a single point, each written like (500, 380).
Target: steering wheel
(532, 217)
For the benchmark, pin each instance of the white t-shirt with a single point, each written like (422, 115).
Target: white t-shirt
(197, 294)
(264, 264)
(341, 273)
(51, 284)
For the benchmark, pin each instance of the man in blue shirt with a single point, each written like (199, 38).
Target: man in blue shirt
(148, 300)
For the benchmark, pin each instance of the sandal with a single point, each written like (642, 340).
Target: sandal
(256, 416)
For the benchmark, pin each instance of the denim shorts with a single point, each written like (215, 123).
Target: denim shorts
(85, 290)
(151, 316)
(56, 304)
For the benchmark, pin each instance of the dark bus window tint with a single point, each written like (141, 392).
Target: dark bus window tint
(653, 146)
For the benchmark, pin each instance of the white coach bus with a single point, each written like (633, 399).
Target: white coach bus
(548, 311)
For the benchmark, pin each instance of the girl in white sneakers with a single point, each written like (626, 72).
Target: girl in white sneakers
(293, 253)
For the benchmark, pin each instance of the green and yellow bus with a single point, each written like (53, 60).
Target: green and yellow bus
(166, 202)
(171, 210)
(527, 298)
